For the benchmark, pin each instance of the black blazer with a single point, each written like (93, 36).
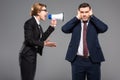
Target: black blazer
(95, 27)
(33, 43)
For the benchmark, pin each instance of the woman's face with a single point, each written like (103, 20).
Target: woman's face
(43, 13)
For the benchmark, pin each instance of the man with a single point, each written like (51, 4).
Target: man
(84, 51)
(35, 40)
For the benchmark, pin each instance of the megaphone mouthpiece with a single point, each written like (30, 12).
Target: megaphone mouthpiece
(49, 16)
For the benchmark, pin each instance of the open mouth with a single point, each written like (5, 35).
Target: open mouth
(45, 15)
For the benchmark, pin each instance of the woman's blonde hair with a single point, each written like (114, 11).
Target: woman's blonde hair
(36, 7)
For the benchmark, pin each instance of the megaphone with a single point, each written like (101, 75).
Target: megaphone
(59, 16)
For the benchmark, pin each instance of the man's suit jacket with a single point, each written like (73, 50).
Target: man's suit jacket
(33, 43)
(95, 26)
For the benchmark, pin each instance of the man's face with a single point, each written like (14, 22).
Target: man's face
(84, 13)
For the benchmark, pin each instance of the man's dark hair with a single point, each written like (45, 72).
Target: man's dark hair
(83, 5)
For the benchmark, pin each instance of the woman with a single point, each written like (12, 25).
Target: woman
(35, 40)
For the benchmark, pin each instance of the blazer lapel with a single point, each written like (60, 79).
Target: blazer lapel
(41, 30)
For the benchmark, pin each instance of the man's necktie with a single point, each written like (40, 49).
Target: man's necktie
(85, 48)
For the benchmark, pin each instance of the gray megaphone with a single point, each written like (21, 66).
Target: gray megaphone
(59, 16)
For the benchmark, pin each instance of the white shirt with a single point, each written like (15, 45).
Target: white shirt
(80, 48)
(38, 22)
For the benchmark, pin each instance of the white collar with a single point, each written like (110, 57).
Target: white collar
(38, 22)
